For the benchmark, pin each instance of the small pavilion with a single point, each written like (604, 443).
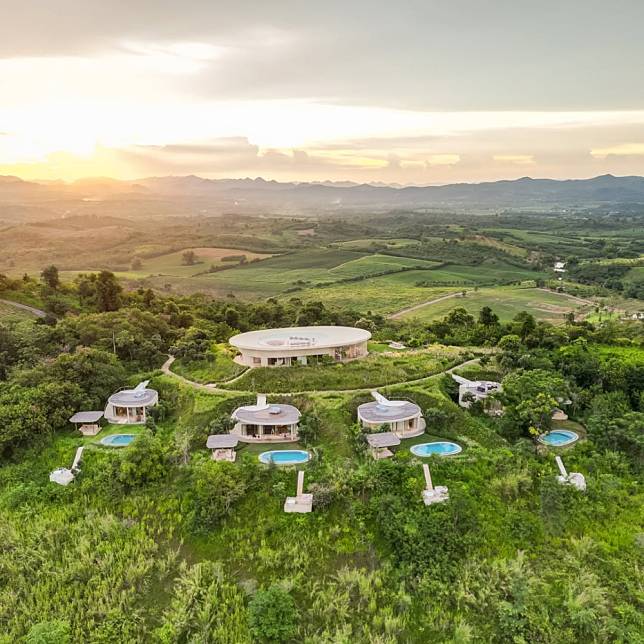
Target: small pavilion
(223, 447)
(87, 422)
(379, 444)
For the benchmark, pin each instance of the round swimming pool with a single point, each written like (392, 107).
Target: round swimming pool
(559, 438)
(439, 448)
(118, 440)
(285, 457)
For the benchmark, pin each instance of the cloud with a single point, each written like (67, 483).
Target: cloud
(621, 150)
(519, 159)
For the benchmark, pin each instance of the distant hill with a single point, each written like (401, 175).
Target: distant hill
(260, 193)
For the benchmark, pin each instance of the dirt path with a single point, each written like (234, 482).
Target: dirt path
(212, 388)
(399, 314)
(25, 307)
(581, 300)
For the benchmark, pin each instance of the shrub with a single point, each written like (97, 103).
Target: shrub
(273, 616)
(217, 486)
(53, 632)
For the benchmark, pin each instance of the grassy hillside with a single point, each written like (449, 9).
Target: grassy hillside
(506, 302)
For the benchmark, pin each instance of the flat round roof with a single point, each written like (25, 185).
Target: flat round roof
(300, 337)
(133, 398)
(375, 412)
(271, 414)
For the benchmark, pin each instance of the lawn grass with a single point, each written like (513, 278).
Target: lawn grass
(506, 302)
(375, 370)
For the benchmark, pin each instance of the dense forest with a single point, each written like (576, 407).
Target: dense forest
(159, 543)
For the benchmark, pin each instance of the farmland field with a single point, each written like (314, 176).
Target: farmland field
(172, 263)
(506, 303)
(391, 293)
(296, 271)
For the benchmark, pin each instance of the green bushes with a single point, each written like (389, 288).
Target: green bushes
(216, 488)
(273, 616)
(206, 607)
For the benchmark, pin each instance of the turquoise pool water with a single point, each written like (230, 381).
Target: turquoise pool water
(118, 440)
(559, 438)
(285, 457)
(440, 448)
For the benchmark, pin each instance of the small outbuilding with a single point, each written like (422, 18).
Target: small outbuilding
(87, 422)
(433, 493)
(64, 476)
(129, 406)
(402, 417)
(379, 444)
(470, 391)
(223, 447)
(266, 423)
(301, 502)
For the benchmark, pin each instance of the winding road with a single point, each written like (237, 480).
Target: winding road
(39, 313)
(398, 314)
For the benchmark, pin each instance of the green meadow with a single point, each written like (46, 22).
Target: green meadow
(506, 302)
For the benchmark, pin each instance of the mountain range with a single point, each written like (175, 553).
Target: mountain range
(260, 193)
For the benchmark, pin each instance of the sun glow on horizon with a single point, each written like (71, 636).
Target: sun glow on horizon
(110, 113)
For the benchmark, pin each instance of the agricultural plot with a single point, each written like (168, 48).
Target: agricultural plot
(391, 293)
(296, 271)
(383, 295)
(172, 263)
(380, 243)
(506, 303)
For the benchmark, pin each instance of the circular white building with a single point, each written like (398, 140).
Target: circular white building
(128, 406)
(402, 417)
(264, 422)
(300, 345)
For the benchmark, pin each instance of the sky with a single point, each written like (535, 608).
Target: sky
(412, 92)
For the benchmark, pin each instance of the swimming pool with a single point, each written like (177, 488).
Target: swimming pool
(439, 448)
(285, 457)
(559, 438)
(118, 440)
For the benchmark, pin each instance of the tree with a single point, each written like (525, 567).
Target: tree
(272, 615)
(188, 258)
(487, 317)
(459, 317)
(50, 277)
(144, 461)
(309, 429)
(108, 292)
(529, 397)
(136, 264)
(221, 425)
